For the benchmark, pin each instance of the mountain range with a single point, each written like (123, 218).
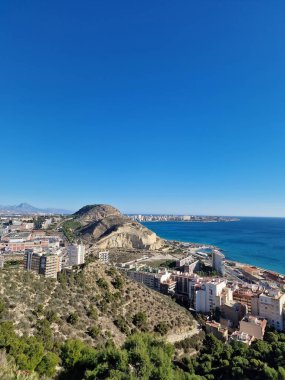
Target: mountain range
(27, 209)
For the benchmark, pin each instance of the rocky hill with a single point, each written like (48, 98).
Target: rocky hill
(108, 228)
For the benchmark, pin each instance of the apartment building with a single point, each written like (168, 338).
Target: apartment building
(46, 264)
(152, 280)
(168, 286)
(185, 284)
(184, 261)
(49, 265)
(209, 296)
(104, 256)
(218, 262)
(245, 296)
(76, 254)
(22, 246)
(32, 261)
(271, 307)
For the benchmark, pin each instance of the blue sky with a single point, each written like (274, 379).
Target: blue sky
(152, 106)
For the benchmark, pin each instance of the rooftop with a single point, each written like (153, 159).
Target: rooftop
(18, 235)
(242, 337)
(255, 320)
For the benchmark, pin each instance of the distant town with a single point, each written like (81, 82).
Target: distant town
(38, 244)
(180, 218)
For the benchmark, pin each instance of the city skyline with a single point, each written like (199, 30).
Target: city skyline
(153, 108)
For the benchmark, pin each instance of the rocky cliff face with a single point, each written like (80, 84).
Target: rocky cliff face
(108, 228)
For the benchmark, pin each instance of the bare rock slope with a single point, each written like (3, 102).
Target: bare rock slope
(108, 228)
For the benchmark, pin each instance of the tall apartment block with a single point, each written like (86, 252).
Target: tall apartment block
(49, 265)
(218, 262)
(46, 264)
(76, 254)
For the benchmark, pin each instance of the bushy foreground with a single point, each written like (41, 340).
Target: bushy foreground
(143, 356)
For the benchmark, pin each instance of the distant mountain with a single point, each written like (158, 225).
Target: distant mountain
(27, 209)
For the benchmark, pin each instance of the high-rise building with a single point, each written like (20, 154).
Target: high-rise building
(218, 262)
(46, 264)
(49, 265)
(76, 254)
(32, 261)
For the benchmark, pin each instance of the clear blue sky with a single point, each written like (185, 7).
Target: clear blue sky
(152, 106)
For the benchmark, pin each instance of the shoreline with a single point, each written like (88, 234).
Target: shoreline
(245, 242)
(236, 263)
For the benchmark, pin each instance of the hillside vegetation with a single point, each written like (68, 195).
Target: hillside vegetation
(95, 305)
(96, 324)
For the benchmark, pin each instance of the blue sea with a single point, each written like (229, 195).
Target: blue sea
(256, 241)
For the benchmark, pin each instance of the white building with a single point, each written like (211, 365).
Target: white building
(152, 280)
(242, 337)
(218, 262)
(271, 307)
(47, 223)
(104, 256)
(209, 296)
(76, 254)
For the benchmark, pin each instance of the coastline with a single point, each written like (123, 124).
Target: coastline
(235, 263)
(259, 242)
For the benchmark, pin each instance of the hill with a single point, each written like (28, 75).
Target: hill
(105, 226)
(94, 305)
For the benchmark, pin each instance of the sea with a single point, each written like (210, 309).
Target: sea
(255, 241)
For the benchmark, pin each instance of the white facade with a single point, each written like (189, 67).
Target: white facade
(209, 296)
(47, 223)
(271, 307)
(104, 256)
(152, 280)
(76, 254)
(218, 262)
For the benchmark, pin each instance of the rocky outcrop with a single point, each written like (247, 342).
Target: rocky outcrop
(108, 228)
